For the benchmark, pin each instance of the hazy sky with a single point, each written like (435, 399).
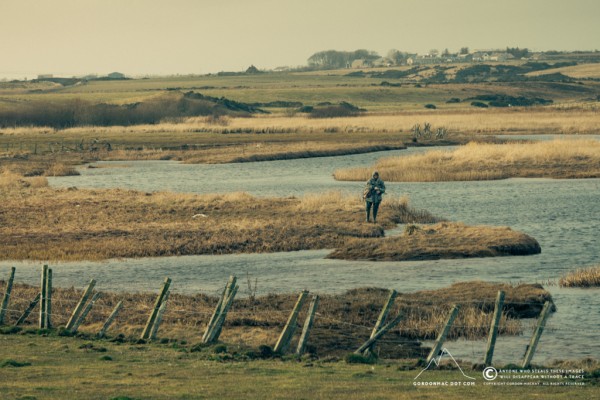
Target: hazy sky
(200, 36)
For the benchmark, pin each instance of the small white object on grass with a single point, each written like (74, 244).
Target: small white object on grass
(199, 215)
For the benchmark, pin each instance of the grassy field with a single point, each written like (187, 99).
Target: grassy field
(443, 240)
(478, 161)
(59, 368)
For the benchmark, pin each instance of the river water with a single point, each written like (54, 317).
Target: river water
(561, 214)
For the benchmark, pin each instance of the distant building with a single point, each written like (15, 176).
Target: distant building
(360, 63)
(481, 56)
(501, 57)
(383, 62)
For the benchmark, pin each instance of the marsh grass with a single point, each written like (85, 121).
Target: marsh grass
(441, 241)
(480, 161)
(41, 223)
(583, 277)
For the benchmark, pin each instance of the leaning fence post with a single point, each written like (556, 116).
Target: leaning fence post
(537, 334)
(80, 305)
(110, 319)
(6, 299)
(216, 330)
(49, 299)
(288, 331)
(489, 354)
(379, 334)
(211, 323)
(159, 316)
(382, 316)
(308, 323)
(157, 303)
(85, 313)
(29, 309)
(442, 336)
(43, 294)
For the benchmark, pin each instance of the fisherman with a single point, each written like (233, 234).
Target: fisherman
(372, 195)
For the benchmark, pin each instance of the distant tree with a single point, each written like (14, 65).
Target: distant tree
(398, 57)
(434, 52)
(464, 50)
(517, 53)
(339, 59)
(252, 70)
(446, 52)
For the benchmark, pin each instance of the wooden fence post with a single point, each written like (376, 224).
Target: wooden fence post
(308, 323)
(537, 334)
(85, 313)
(80, 305)
(110, 319)
(379, 334)
(29, 309)
(211, 323)
(489, 354)
(43, 304)
(382, 316)
(218, 326)
(442, 336)
(6, 299)
(159, 316)
(49, 299)
(288, 331)
(157, 303)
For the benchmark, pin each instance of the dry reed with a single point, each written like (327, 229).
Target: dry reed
(583, 277)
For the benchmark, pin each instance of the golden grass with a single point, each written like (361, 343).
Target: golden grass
(343, 322)
(70, 224)
(443, 240)
(583, 277)
(477, 161)
(574, 71)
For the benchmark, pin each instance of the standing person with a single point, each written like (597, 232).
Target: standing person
(372, 194)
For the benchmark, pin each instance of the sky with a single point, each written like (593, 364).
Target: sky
(164, 37)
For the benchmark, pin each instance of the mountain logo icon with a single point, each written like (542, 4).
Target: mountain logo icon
(437, 360)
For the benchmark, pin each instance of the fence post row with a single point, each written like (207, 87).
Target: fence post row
(537, 334)
(442, 336)
(43, 294)
(6, 299)
(216, 331)
(157, 304)
(290, 326)
(80, 305)
(159, 316)
(379, 334)
(489, 354)
(382, 317)
(29, 309)
(308, 323)
(49, 299)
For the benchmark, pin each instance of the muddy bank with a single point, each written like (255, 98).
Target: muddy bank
(342, 324)
(445, 240)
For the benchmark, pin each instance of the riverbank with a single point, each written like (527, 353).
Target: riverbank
(479, 161)
(441, 241)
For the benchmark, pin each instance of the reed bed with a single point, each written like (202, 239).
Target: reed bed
(441, 241)
(559, 158)
(582, 277)
(342, 323)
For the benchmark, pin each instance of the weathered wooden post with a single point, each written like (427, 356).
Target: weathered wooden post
(211, 323)
(6, 299)
(489, 354)
(382, 316)
(110, 319)
(379, 334)
(43, 304)
(215, 332)
(290, 327)
(85, 313)
(49, 299)
(537, 334)
(308, 323)
(442, 336)
(29, 309)
(80, 305)
(159, 316)
(157, 303)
